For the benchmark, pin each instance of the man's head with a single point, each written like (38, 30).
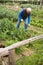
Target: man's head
(28, 10)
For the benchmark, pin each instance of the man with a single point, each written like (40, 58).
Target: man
(23, 15)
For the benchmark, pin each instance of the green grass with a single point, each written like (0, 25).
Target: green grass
(7, 13)
(36, 58)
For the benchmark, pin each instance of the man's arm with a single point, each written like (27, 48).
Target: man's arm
(29, 19)
(20, 14)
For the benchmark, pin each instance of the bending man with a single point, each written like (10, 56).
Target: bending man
(23, 15)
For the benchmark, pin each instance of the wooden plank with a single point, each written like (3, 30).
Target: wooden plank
(5, 51)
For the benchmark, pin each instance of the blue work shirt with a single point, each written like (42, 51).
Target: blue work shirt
(24, 13)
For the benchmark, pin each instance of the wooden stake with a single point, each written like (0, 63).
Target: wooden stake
(5, 60)
(0, 61)
(11, 57)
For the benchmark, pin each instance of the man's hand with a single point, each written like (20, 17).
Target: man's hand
(21, 19)
(29, 25)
